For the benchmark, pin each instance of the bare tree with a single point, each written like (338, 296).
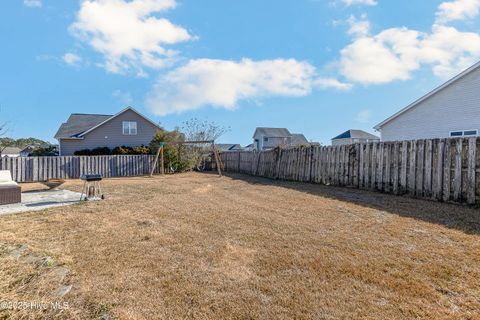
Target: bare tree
(5, 142)
(200, 130)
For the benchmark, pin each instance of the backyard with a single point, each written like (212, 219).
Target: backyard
(198, 246)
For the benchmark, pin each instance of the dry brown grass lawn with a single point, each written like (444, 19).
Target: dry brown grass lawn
(199, 246)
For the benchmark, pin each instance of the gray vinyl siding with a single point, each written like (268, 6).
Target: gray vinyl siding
(455, 108)
(110, 135)
(272, 141)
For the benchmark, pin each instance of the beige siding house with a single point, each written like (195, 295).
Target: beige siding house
(89, 131)
(451, 110)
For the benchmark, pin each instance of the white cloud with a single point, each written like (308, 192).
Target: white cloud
(358, 27)
(33, 3)
(71, 58)
(364, 116)
(123, 97)
(331, 83)
(128, 33)
(224, 83)
(458, 10)
(393, 54)
(360, 2)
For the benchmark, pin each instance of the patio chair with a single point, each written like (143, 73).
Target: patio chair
(10, 191)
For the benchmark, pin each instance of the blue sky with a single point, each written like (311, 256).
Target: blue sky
(318, 67)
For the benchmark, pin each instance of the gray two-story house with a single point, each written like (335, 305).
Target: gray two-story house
(88, 131)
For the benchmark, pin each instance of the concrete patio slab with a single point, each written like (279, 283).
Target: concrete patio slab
(40, 200)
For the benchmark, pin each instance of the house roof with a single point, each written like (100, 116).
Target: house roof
(11, 150)
(79, 124)
(298, 139)
(273, 132)
(356, 134)
(428, 95)
(27, 149)
(228, 146)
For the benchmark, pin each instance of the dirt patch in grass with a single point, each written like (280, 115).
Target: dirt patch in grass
(199, 246)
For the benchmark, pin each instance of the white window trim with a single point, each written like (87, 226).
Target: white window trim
(129, 128)
(463, 133)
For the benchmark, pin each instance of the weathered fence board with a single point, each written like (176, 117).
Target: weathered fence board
(33, 169)
(440, 169)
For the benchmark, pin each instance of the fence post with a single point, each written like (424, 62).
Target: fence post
(472, 157)
(457, 187)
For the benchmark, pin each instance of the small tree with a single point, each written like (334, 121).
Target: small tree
(45, 151)
(202, 130)
(5, 143)
(172, 153)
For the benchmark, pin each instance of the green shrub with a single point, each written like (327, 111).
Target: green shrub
(47, 151)
(174, 155)
(83, 152)
(100, 151)
(122, 150)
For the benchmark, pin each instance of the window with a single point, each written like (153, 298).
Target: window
(470, 133)
(265, 139)
(456, 133)
(465, 133)
(129, 128)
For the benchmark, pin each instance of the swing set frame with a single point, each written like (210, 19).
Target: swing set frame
(159, 154)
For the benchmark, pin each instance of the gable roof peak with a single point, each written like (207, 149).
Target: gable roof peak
(79, 124)
(430, 94)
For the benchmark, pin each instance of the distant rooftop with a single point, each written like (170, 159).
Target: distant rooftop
(273, 132)
(228, 146)
(356, 134)
(298, 139)
(11, 150)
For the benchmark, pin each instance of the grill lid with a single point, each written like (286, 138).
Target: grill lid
(91, 177)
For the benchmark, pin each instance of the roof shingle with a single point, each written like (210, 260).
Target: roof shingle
(273, 132)
(78, 123)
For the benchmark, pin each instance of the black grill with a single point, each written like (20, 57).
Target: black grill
(91, 177)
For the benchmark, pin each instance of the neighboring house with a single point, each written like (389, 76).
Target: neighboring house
(451, 110)
(10, 152)
(298, 139)
(25, 152)
(248, 147)
(89, 131)
(354, 136)
(228, 147)
(269, 138)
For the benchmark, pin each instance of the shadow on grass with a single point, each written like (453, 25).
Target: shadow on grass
(454, 216)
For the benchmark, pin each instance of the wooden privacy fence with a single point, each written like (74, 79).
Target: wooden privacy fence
(32, 169)
(440, 169)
